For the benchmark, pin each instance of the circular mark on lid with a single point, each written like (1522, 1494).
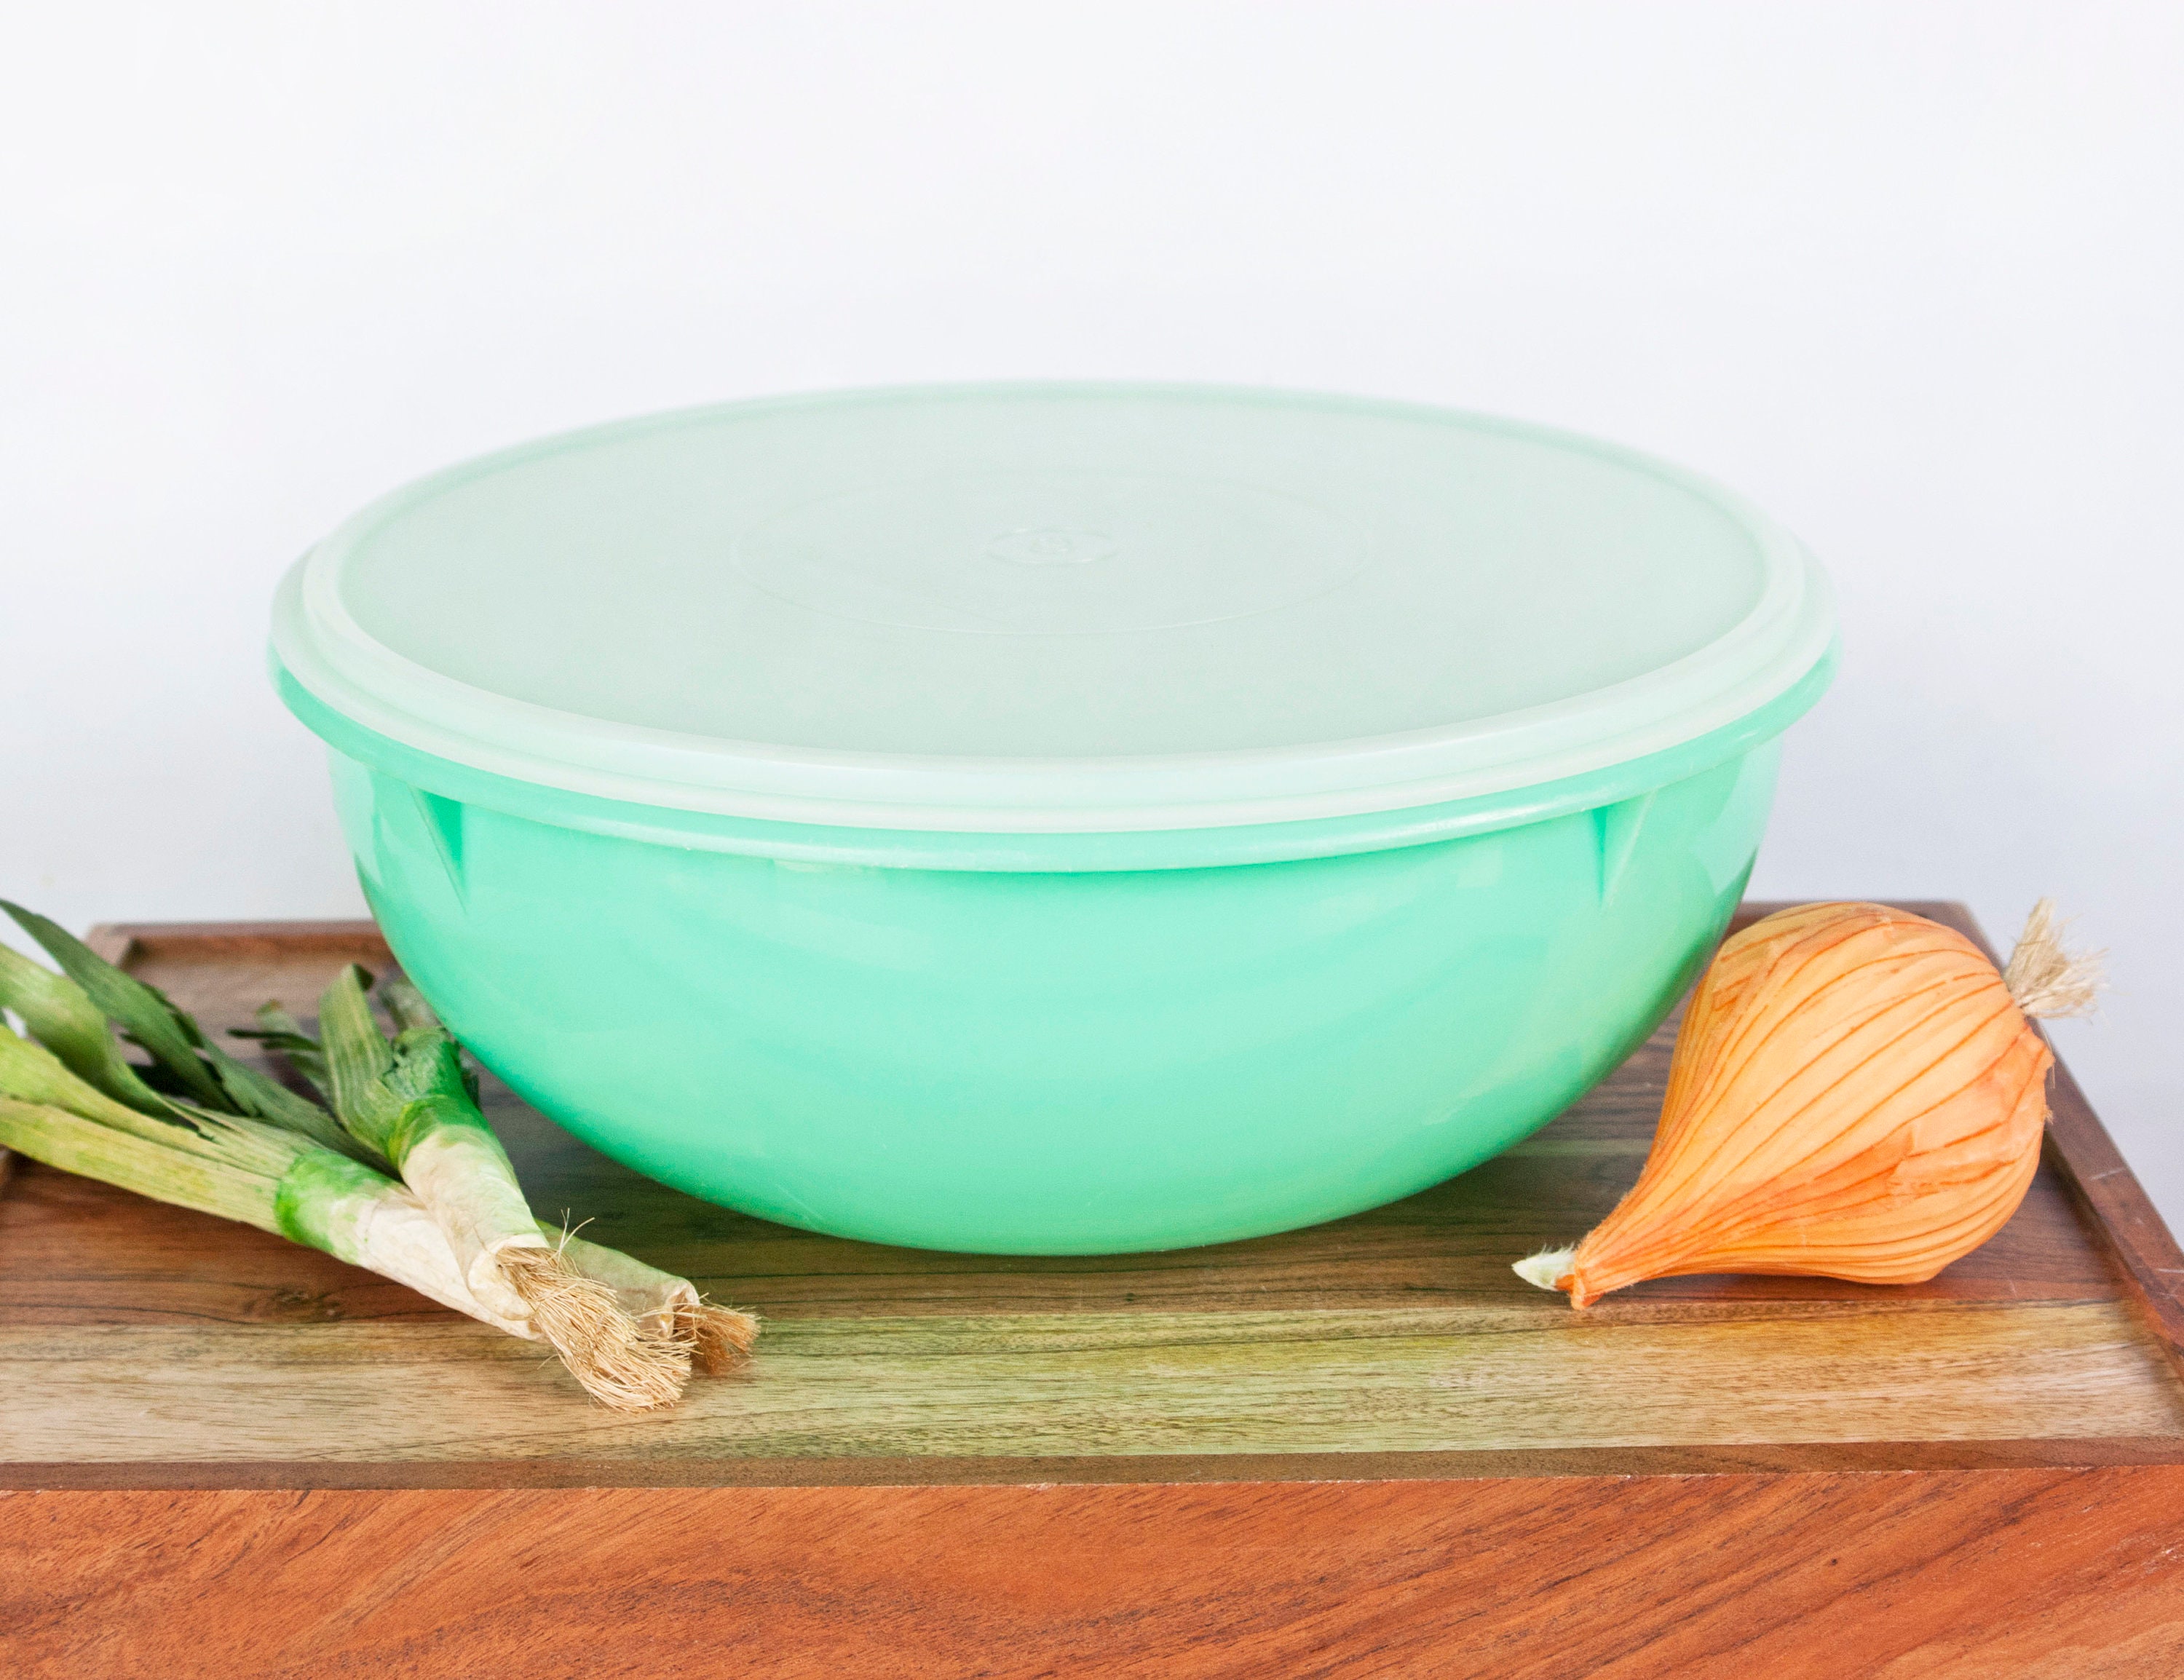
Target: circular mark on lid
(1081, 552)
(1051, 545)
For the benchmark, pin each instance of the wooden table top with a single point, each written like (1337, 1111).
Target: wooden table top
(153, 1351)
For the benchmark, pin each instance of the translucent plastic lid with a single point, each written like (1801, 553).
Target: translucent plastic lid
(1053, 607)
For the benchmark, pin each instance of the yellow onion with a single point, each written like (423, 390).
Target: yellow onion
(1856, 1093)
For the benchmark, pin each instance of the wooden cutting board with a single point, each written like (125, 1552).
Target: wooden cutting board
(1363, 1449)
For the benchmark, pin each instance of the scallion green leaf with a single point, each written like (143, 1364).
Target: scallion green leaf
(141, 1011)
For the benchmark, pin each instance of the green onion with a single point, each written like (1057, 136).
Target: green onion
(231, 1165)
(228, 1140)
(409, 1101)
(68, 1012)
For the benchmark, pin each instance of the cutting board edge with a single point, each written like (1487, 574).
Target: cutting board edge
(1514, 1464)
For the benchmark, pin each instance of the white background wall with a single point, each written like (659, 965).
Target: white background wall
(1909, 275)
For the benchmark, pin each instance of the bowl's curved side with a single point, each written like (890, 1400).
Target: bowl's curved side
(1055, 1063)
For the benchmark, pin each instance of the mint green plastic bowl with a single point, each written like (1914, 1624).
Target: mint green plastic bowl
(736, 853)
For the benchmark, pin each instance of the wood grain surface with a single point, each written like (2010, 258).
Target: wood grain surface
(1362, 1449)
(1956, 1575)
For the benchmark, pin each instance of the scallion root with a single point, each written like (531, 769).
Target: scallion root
(618, 1364)
(718, 1337)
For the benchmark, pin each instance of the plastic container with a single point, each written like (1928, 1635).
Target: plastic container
(1054, 819)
